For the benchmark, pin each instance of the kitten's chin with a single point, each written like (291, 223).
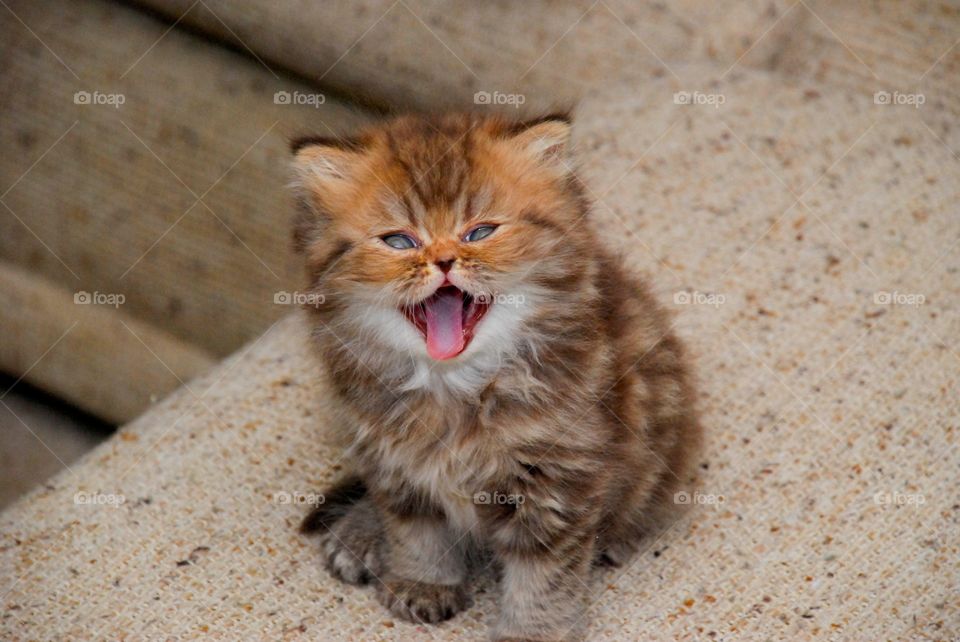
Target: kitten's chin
(447, 321)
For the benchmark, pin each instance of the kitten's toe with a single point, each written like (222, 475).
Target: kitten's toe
(615, 554)
(419, 602)
(351, 545)
(355, 563)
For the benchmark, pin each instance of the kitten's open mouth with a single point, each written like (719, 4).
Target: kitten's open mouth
(447, 320)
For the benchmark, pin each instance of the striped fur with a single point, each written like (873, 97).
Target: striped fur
(571, 410)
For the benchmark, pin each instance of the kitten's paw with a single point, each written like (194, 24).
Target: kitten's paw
(356, 562)
(420, 602)
(352, 546)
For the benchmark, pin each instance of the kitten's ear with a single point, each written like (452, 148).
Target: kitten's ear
(323, 168)
(546, 139)
(318, 159)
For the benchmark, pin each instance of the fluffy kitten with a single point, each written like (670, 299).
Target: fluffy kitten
(504, 386)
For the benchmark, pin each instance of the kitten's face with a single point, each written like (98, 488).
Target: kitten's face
(440, 238)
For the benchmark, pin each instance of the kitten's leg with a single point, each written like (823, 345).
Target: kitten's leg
(338, 500)
(353, 546)
(350, 530)
(426, 566)
(545, 544)
(646, 501)
(543, 592)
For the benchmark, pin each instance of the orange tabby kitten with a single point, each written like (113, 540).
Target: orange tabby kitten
(503, 385)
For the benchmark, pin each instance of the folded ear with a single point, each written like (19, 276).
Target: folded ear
(545, 139)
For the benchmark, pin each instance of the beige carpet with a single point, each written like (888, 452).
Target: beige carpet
(807, 239)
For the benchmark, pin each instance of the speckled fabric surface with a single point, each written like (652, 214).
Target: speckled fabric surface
(806, 238)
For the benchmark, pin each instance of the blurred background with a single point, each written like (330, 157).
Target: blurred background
(143, 219)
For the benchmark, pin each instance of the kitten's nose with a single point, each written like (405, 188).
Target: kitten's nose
(445, 264)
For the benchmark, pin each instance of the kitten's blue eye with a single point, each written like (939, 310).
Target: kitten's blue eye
(399, 241)
(479, 233)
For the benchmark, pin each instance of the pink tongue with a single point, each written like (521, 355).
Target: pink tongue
(444, 314)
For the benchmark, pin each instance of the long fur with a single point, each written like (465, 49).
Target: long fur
(571, 411)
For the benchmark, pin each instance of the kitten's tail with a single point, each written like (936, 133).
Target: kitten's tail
(337, 501)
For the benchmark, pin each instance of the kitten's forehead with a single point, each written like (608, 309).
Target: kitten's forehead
(435, 162)
(432, 165)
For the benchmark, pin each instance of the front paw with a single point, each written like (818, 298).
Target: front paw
(353, 563)
(352, 546)
(419, 602)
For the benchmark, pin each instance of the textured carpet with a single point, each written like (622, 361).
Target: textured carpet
(806, 238)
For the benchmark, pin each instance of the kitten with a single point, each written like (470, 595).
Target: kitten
(503, 385)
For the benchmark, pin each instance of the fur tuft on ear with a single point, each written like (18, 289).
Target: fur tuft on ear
(324, 158)
(296, 144)
(322, 168)
(546, 138)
